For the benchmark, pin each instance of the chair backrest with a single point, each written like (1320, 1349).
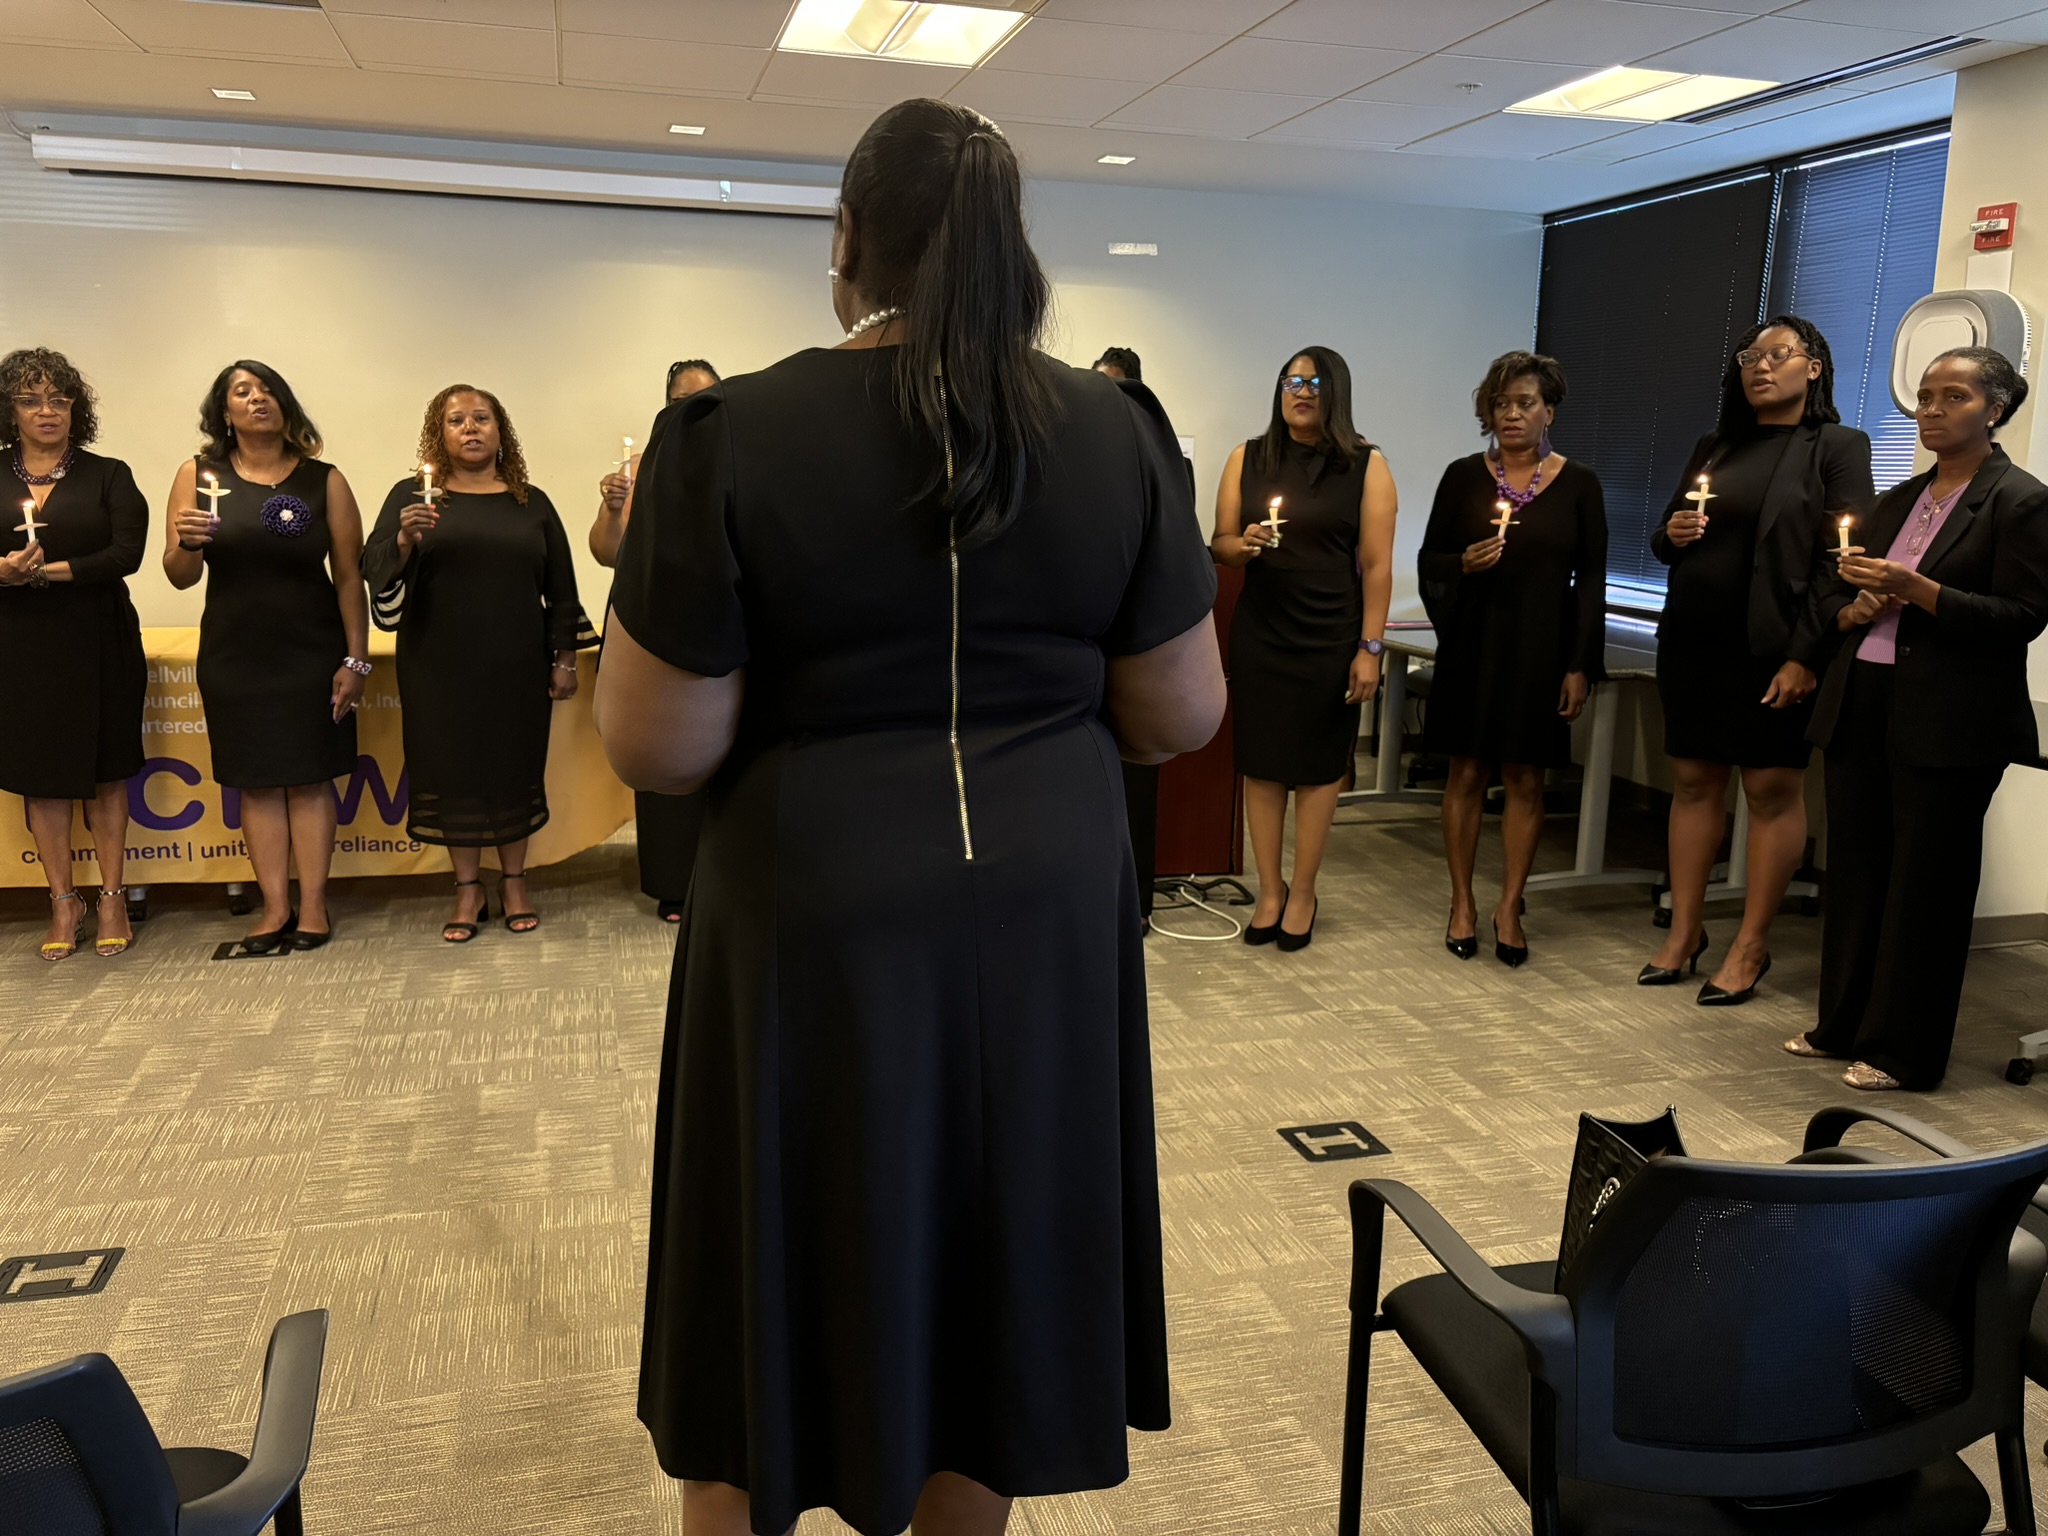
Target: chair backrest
(1770, 1331)
(77, 1455)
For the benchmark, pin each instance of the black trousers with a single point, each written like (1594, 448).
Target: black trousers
(667, 829)
(1905, 848)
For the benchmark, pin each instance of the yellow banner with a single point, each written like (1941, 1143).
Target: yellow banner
(183, 827)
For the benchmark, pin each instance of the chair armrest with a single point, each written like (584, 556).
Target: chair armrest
(284, 1435)
(1542, 1321)
(1827, 1129)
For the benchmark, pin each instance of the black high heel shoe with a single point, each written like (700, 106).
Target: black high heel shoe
(1712, 996)
(1658, 976)
(1464, 948)
(1267, 934)
(1509, 955)
(1287, 942)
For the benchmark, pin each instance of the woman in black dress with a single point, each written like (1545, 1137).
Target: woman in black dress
(284, 638)
(665, 827)
(877, 1279)
(482, 593)
(1925, 704)
(1741, 640)
(72, 685)
(1308, 509)
(1520, 626)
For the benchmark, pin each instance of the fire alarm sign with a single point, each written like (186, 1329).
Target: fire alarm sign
(1993, 226)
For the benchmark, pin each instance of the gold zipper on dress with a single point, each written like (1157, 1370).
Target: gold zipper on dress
(953, 563)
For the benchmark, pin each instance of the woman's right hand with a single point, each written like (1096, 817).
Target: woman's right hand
(615, 488)
(193, 526)
(1258, 538)
(1484, 555)
(1867, 608)
(15, 569)
(1687, 527)
(414, 523)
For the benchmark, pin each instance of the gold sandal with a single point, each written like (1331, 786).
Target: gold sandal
(102, 945)
(57, 949)
(1799, 1045)
(1871, 1079)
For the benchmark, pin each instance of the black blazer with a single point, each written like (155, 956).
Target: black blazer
(1959, 693)
(1825, 468)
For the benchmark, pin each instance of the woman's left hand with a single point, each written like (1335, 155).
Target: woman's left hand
(562, 677)
(1571, 698)
(1791, 685)
(1887, 578)
(17, 568)
(348, 692)
(1365, 678)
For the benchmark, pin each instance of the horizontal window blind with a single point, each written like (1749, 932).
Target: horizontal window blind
(1642, 304)
(1856, 238)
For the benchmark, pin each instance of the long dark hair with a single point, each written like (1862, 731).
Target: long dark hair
(1738, 416)
(939, 207)
(300, 435)
(1340, 439)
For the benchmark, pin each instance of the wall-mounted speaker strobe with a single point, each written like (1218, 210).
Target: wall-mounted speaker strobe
(1961, 317)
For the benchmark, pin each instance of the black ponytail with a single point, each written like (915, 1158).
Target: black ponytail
(938, 203)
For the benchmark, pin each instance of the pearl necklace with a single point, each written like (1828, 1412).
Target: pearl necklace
(879, 317)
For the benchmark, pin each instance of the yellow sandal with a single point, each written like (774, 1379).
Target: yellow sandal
(58, 949)
(106, 948)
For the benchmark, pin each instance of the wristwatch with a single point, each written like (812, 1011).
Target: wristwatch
(1372, 647)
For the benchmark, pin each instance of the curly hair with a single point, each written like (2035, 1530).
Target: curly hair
(1738, 416)
(27, 366)
(1510, 366)
(300, 435)
(1125, 359)
(434, 446)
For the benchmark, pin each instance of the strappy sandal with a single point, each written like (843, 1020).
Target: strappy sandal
(1871, 1079)
(516, 922)
(57, 949)
(103, 945)
(453, 932)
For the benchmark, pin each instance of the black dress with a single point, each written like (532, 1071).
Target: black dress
(1299, 621)
(73, 676)
(1721, 640)
(1507, 637)
(666, 829)
(271, 638)
(905, 1210)
(487, 599)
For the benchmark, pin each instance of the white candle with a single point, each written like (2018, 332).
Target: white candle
(1699, 497)
(213, 494)
(1273, 518)
(28, 523)
(1504, 517)
(427, 490)
(1843, 529)
(626, 459)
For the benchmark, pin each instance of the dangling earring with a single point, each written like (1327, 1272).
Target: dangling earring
(1493, 447)
(1543, 446)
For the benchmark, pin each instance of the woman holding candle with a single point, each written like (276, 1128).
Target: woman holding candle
(72, 686)
(284, 638)
(665, 827)
(482, 592)
(1746, 536)
(1924, 705)
(1519, 608)
(1308, 510)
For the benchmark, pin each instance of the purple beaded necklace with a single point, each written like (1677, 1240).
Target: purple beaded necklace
(1519, 500)
(63, 468)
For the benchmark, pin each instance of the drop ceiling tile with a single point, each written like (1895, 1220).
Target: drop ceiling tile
(448, 47)
(736, 23)
(658, 64)
(1292, 69)
(1774, 48)
(1209, 114)
(1595, 33)
(1439, 81)
(1011, 96)
(502, 13)
(1645, 139)
(66, 23)
(1221, 16)
(2031, 28)
(816, 77)
(227, 31)
(1051, 47)
(1749, 7)
(1369, 122)
(1402, 24)
(1959, 18)
(1514, 137)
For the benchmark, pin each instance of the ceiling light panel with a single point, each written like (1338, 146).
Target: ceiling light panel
(957, 35)
(1639, 95)
(695, 130)
(1116, 159)
(227, 95)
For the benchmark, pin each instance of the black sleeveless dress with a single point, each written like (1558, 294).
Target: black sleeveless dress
(1299, 620)
(271, 637)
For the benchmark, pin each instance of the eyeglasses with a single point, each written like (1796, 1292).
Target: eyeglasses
(1295, 384)
(1779, 356)
(42, 402)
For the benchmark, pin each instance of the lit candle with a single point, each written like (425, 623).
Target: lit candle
(427, 489)
(1504, 518)
(1842, 528)
(1699, 497)
(28, 523)
(1273, 519)
(213, 494)
(626, 460)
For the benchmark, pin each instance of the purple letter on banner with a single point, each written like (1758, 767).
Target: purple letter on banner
(391, 803)
(138, 803)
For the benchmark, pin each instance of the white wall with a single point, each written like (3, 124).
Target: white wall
(2001, 121)
(369, 302)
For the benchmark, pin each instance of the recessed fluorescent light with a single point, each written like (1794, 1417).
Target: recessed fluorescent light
(692, 128)
(1116, 160)
(234, 95)
(960, 35)
(1133, 248)
(1640, 95)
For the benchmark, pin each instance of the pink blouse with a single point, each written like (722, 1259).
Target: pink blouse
(1881, 643)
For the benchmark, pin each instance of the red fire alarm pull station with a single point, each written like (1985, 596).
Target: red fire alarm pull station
(1993, 226)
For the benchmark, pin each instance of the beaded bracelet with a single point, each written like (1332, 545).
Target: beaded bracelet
(360, 668)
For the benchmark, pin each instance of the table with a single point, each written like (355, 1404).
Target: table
(185, 829)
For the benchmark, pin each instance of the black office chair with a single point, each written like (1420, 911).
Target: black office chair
(1738, 1349)
(78, 1456)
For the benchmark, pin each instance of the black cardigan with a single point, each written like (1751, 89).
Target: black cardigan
(1825, 468)
(1959, 692)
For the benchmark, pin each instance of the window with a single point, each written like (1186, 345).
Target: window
(1642, 302)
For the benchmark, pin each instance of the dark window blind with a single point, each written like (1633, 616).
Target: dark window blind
(1856, 241)
(1642, 305)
